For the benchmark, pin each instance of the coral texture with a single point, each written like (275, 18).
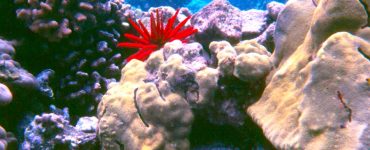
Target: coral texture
(160, 96)
(93, 61)
(318, 98)
(220, 20)
(91, 69)
(53, 131)
(59, 19)
(286, 42)
(81, 36)
(13, 79)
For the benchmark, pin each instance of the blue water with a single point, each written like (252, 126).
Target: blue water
(196, 5)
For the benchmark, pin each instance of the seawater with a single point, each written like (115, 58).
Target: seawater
(196, 5)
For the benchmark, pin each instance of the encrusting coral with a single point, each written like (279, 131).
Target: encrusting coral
(157, 36)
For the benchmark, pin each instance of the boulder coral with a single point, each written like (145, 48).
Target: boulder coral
(318, 97)
(154, 104)
(153, 116)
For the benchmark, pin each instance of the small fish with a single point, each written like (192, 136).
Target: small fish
(368, 81)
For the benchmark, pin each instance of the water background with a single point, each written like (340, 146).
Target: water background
(196, 5)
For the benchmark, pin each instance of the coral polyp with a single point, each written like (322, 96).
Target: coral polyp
(158, 35)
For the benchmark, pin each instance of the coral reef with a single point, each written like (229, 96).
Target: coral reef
(82, 38)
(53, 131)
(219, 20)
(153, 117)
(56, 20)
(92, 69)
(93, 60)
(318, 97)
(13, 79)
(161, 95)
(296, 73)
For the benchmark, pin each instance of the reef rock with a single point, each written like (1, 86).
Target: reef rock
(219, 20)
(154, 103)
(216, 21)
(254, 23)
(274, 8)
(318, 98)
(53, 131)
(267, 37)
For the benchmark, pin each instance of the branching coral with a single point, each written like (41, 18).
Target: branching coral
(159, 34)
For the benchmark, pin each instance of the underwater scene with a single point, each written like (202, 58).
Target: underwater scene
(184, 74)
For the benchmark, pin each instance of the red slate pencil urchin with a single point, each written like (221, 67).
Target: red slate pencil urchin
(159, 35)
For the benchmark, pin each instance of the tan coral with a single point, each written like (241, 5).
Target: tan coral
(252, 67)
(225, 56)
(151, 106)
(207, 80)
(248, 60)
(291, 28)
(300, 108)
(134, 115)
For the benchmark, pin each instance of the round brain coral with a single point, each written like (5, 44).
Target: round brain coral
(158, 35)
